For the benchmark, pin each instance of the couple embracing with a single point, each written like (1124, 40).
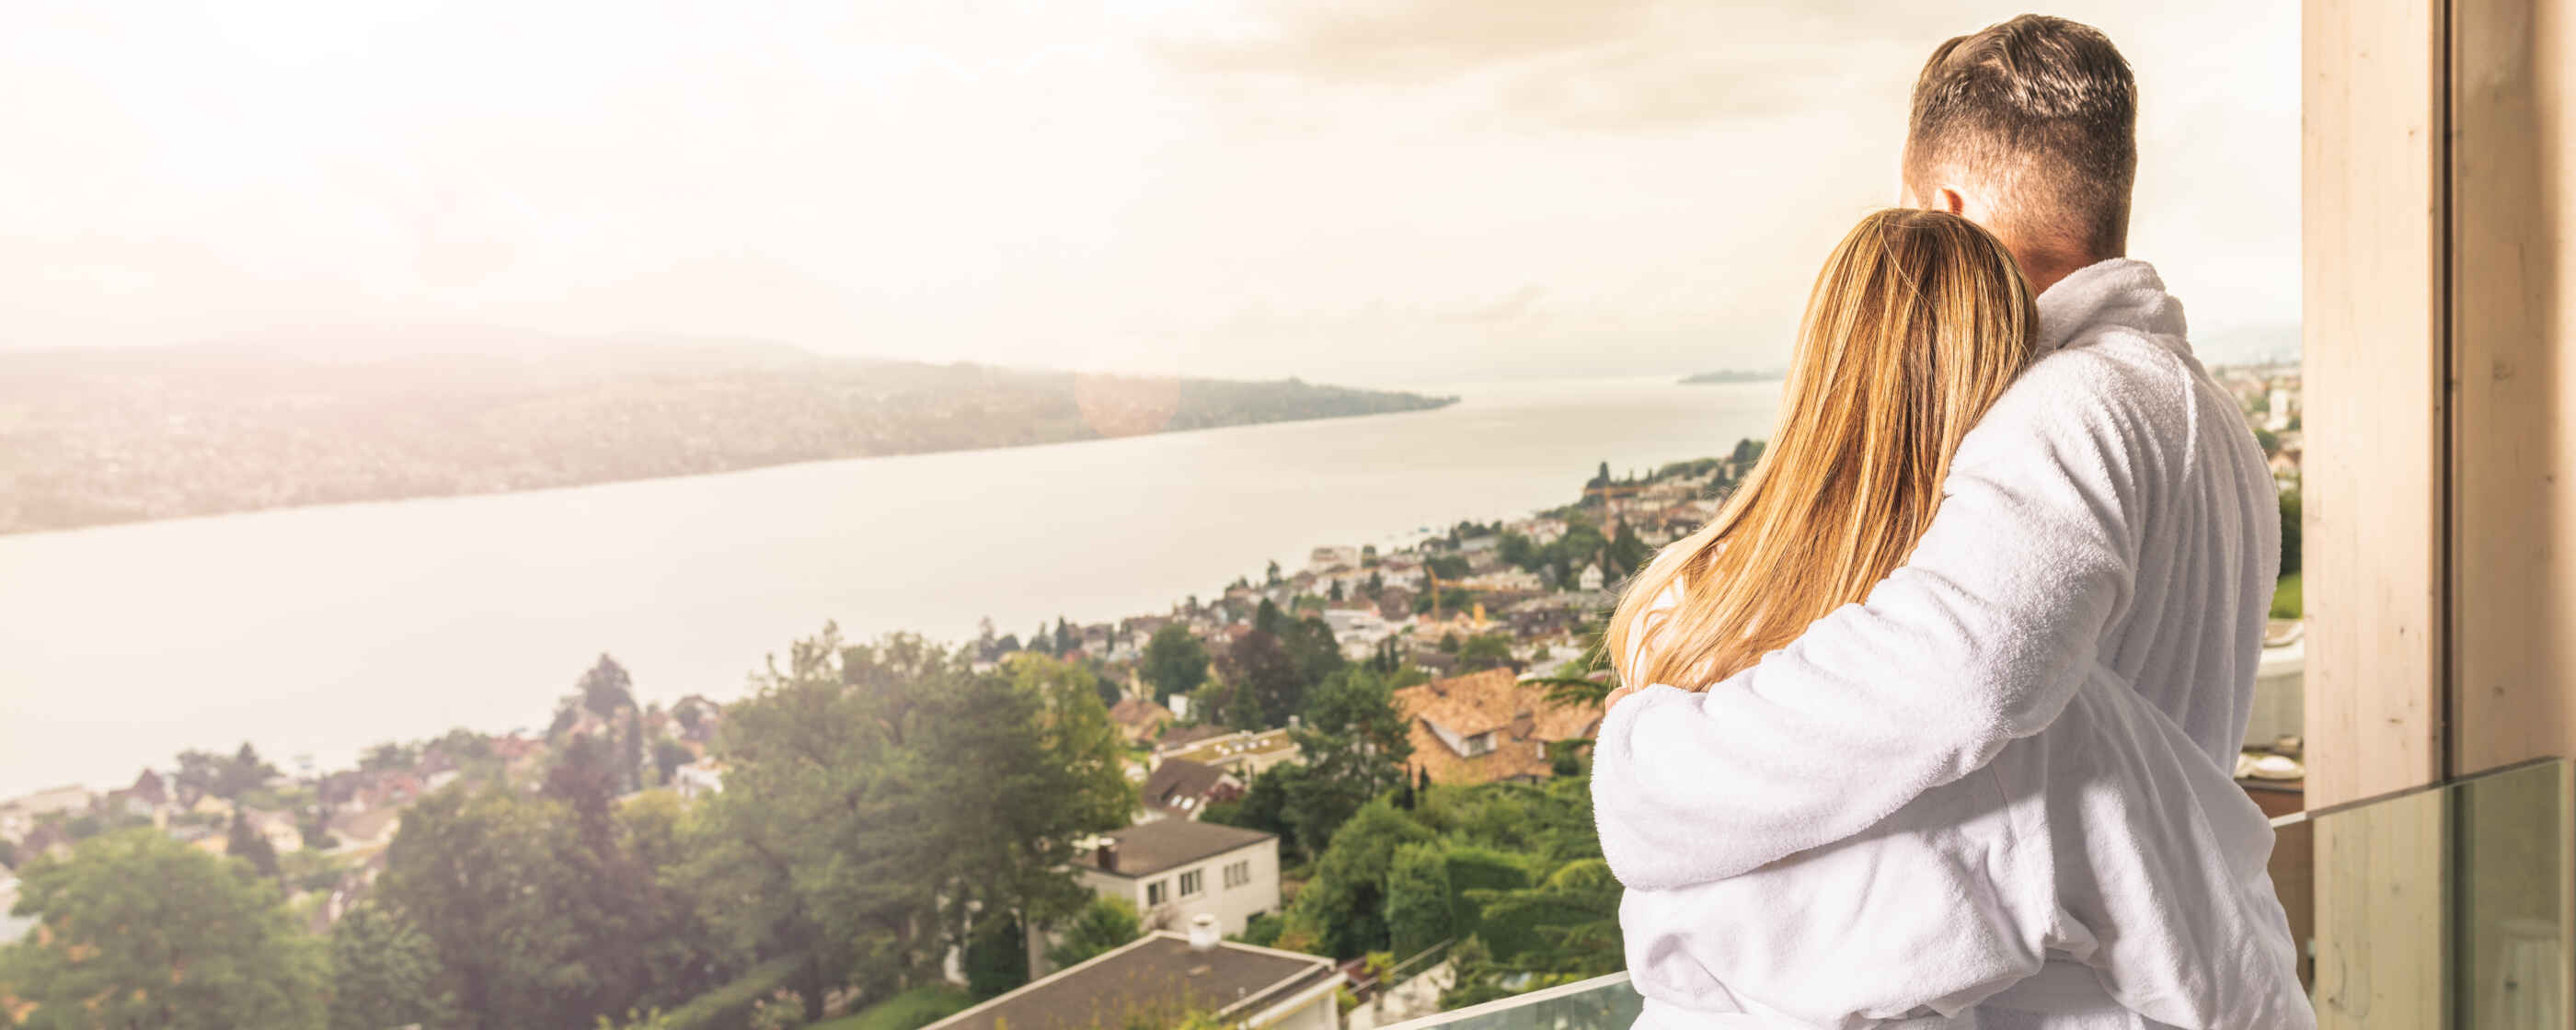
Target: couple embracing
(1935, 724)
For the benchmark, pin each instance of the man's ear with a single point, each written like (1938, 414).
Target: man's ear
(1946, 199)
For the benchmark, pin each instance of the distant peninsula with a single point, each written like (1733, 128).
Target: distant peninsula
(100, 436)
(1733, 376)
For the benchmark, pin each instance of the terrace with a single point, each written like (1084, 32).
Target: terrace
(2437, 906)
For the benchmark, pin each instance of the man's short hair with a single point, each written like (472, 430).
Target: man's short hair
(2045, 111)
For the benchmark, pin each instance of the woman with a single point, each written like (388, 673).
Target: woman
(2103, 873)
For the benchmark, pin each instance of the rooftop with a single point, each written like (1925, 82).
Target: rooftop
(1165, 844)
(1158, 977)
(1179, 785)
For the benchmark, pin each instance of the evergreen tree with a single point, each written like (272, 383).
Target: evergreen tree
(1175, 662)
(245, 842)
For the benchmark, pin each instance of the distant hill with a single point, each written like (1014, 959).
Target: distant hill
(1732, 376)
(90, 437)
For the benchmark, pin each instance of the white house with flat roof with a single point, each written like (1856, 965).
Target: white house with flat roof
(1162, 976)
(1174, 869)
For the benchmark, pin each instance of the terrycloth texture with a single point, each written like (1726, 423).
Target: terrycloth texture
(2100, 570)
(2111, 509)
(2102, 874)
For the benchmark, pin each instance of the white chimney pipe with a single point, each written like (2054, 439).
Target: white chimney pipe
(1203, 932)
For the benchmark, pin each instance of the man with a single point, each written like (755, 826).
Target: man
(2112, 515)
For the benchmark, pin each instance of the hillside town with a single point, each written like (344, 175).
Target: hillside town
(1259, 739)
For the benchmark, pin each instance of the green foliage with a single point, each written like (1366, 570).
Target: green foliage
(729, 1007)
(1418, 910)
(1106, 923)
(384, 973)
(1485, 651)
(991, 775)
(1175, 662)
(910, 1010)
(1346, 902)
(1260, 669)
(1264, 805)
(485, 877)
(997, 957)
(1356, 747)
(2287, 599)
(220, 951)
(1572, 916)
(668, 757)
(245, 842)
(2290, 532)
(204, 772)
(1263, 929)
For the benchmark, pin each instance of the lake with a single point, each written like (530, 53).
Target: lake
(319, 631)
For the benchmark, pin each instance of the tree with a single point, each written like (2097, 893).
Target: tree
(389, 756)
(1418, 911)
(1106, 923)
(1175, 662)
(1264, 804)
(997, 956)
(221, 950)
(2290, 532)
(668, 757)
(245, 842)
(993, 776)
(384, 973)
(1484, 651)
(1265, 675)
(606, 689)
(1346, 902)
(1356, 746)
(503, 887)
(1310, 645)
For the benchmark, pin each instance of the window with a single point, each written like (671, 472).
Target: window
(1193, 882)
(1156, 891)
(1238, 874)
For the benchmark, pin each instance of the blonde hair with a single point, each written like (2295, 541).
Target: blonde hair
(1916, 325)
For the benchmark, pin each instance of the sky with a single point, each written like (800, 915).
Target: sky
(1384, 192)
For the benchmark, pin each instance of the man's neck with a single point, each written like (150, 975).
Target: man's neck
(2045, 266)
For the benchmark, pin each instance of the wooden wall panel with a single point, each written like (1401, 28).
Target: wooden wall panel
(2372, 290)
(2514, 430)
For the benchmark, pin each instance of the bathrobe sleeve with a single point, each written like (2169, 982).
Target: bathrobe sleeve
(1979, 639)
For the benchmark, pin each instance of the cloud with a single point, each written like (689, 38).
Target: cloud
(1611, 66)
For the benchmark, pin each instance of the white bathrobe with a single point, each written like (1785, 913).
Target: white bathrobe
(2109, 525)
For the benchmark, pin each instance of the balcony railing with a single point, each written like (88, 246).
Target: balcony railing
(2440, 907)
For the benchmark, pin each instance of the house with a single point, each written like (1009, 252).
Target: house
(284, 836)
(1331, 557)
(364, 831)
(1178, 788)
(1178, 737)
(1488, 726)
(1242, 753)
(1590, 578)
(1163, 976)
(1175, 869)
(12, 928)
(698, 779)
(68, 800)
(1139, 719)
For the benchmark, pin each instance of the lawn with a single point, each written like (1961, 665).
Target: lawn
(2285, 598)
(918, 1007)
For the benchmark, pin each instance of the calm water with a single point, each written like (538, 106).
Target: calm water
(318, 631)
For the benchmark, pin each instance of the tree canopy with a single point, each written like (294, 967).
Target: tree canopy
(142, 930)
